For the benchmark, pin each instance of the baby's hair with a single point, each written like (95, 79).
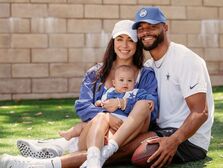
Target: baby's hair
(127, 68)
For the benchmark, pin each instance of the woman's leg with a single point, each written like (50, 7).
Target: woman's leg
(125, 152)
(95, 140)
(94, 132)
(82, 145)
(97, 131)
(142, 128)
(74, 160)
(135, 120)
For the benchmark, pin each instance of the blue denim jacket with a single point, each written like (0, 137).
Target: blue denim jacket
(92, 90)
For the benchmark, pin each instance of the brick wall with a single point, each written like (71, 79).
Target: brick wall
(47, 45)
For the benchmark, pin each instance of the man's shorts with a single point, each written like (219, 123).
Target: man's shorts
(186, 151)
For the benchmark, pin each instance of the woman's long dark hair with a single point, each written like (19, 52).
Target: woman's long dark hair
(110, 56)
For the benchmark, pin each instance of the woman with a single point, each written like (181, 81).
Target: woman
(122, 49)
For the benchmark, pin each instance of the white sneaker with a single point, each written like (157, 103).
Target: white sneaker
(8, 161)
(41, 149)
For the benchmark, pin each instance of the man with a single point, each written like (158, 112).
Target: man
(184, 89)
(185, 95)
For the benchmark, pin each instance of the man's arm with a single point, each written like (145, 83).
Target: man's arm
(198, 115)
(168, 145)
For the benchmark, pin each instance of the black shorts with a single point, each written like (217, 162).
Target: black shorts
(186, 151)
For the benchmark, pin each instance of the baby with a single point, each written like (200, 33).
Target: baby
(123, 88)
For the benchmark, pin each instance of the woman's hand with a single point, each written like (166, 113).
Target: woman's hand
(151, 105)
(110, 105)
(98, 103)
(114, 123)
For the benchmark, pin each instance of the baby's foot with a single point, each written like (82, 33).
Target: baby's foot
(65, 134)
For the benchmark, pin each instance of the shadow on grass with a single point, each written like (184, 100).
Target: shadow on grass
(218, 89)
(39, 102)
(31, 113)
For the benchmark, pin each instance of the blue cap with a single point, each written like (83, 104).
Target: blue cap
(152, 15)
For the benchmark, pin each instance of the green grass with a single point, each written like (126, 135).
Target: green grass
(33, 119)
(36, 119)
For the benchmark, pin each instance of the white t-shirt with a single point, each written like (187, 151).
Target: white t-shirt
(182, 73)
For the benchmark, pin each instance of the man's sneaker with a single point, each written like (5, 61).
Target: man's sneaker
(8, 161)
(38, 149)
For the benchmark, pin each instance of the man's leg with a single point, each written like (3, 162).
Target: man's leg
(73, 160)
(186, 151)
(7, 161)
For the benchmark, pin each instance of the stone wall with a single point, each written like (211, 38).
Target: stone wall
(47, 45)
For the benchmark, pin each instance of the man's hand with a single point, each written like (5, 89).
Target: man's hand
(167, 149)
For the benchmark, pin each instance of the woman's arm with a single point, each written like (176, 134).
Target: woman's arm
(148, 83)
(84, 106)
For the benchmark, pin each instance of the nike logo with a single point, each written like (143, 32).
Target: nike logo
(39, 141)
(191, 87)
(43, 141)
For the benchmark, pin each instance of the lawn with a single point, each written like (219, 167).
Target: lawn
(36, 119)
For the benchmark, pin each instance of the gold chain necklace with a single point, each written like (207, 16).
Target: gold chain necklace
(162, 61)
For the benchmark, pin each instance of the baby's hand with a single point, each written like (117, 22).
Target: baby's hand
(98, 103)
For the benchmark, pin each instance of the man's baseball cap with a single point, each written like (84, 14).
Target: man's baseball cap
(125, 27)
(152, 15)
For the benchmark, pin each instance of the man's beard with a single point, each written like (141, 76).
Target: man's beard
(159, 39)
